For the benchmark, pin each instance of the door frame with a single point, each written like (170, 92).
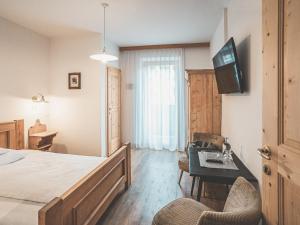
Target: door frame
(107, 110)
(271, 82)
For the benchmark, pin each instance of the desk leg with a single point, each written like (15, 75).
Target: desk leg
(199, 189)
(193, 185)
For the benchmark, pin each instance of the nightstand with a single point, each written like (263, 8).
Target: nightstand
(39, 138)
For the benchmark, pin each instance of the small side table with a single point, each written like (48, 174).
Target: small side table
(39, 138)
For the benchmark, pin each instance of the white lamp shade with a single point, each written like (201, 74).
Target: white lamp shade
(103, 57)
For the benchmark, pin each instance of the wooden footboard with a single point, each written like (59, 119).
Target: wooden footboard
(86, 201)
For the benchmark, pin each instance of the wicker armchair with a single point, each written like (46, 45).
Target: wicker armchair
(242, 207)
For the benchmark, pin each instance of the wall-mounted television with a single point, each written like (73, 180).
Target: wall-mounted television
(227, 70)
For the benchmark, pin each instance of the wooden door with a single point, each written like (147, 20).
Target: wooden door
(281, 112)
(114, 109)
(205, 104)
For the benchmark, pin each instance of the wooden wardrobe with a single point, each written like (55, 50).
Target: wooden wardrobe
(204, 102)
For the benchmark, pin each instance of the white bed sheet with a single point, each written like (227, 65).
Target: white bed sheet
(28, 184)
(19, 212)
(42, 176)
(10, 157)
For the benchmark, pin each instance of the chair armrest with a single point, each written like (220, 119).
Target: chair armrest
(249, 217)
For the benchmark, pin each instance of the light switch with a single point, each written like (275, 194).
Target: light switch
(129, 86)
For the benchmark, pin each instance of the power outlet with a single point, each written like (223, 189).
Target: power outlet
(129, 86)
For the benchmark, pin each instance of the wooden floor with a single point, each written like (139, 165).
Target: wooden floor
(154, 184)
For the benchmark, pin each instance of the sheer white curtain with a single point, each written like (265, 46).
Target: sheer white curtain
(159, 97)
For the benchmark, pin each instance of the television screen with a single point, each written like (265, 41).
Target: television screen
(227, 69)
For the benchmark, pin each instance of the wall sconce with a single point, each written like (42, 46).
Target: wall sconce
(39, 98)
(38, 108)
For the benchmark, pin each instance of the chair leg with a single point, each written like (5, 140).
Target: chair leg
(181, 172)
(193, 185)
(228, 189)
(199, 189)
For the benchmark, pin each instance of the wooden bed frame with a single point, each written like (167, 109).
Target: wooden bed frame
(87, 200)
(12, 134)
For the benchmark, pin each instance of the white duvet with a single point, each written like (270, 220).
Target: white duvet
(19, 212)
(41, 176)
(28, 183)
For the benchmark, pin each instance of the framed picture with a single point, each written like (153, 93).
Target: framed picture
(74, 80)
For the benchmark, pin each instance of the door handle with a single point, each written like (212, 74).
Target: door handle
(265, 152)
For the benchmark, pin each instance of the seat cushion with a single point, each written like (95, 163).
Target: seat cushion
(183, 163)
(183, 211)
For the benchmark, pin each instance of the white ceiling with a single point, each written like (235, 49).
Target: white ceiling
(129, 22)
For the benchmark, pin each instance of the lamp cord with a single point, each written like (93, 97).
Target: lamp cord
(104, 38)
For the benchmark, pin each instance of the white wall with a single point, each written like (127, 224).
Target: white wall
(197, 58)
(242, 113)
(218, 39)
(78, 115)
(24, 57)
(31, 64)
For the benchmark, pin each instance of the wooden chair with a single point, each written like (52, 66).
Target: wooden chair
(216, 140)
(183, 164)
(242, 207)
(207, 141)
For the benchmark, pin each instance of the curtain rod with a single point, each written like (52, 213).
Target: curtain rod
(185, 45)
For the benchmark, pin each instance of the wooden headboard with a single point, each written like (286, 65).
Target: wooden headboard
(12, 134)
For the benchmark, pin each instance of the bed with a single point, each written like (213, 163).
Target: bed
(57, 189)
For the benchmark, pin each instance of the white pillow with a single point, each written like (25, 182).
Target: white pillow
(11, 157)
(3, 151)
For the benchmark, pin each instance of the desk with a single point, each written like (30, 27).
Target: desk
(222, 176)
